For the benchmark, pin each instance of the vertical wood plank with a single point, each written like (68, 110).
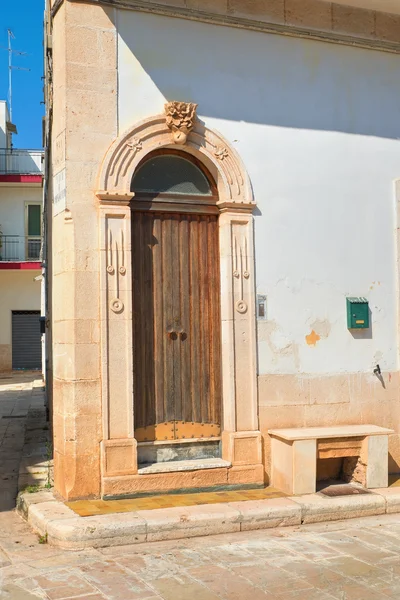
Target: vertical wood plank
(195, 319)
(215, 322)
(141, 317)
(176, 287)
(204, 323)
(176, 303)
(167, 262)
(159, 332)
(185, 300)
(148, 320)
(137, 309)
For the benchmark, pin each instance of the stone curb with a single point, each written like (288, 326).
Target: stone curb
(65, 529)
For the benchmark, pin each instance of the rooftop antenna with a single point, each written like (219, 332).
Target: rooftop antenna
(11, 67)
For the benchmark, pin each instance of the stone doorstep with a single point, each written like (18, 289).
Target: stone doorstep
(184, 465)
(65, 529)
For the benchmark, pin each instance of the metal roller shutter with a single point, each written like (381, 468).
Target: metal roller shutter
(26, 340)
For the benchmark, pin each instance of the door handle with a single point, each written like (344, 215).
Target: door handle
(173, 333)
(179, 330)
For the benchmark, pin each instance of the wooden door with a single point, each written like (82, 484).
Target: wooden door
(177, 326)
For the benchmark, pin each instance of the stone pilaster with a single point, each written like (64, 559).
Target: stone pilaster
(84, 125)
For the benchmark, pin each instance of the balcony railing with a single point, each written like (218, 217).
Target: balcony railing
(20, 248)
(21, 162)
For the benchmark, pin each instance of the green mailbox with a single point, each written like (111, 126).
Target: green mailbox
(357, 313)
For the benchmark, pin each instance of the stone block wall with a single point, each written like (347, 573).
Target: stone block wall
(317, 15)
(349, 399)
(84, 125)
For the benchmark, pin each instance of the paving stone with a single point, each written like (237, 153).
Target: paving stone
(13, 592)
(4, 560)
(226, 584)
(309, 548)
(65, 559)
(174, 589)
(349, 566)
(116, 582)
(230, 566)
(358, 559)
(347, 545)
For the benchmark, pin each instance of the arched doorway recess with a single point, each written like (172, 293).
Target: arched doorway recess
(176, 300)
(226, 206)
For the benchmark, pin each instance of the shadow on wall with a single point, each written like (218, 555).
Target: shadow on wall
(393, 465)
(240, 75)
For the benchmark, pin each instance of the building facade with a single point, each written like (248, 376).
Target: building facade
(20, 251)
(223, 181)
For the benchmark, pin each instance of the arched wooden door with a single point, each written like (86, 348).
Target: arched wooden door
(176, 300)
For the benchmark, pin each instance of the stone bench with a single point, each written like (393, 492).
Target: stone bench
(295, 453)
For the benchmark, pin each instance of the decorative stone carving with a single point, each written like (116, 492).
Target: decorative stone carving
(241, 307)
(180, 118)
(116, 253)
(240, 266)
(221, 153)
(117, 305)
(134, 144)
(236, 203)
(234, 189)
(116, 324)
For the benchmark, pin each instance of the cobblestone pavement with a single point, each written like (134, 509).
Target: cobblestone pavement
(353, 560)
(15, 400)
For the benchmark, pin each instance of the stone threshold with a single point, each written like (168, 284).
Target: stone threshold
(179, 442)
(184, 465)
(63, 528)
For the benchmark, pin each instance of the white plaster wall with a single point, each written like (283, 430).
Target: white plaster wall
(12, 207)
(19, 291)
(3, 119)
(318, 127)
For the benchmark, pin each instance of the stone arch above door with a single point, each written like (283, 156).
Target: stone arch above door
(209, 146)
(241, 440)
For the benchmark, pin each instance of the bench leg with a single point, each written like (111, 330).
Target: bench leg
(304, 467)
(294, 466)
(377, 462)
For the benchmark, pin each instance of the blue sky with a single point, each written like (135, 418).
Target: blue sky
(25, 19)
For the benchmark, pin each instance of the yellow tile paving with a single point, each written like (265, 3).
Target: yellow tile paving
(90, 508)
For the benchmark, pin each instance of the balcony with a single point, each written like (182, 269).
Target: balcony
(20, 248)
(21, 162)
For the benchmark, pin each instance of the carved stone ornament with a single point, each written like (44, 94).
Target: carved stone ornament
(180, 117)
(117, 305)
(134, 144)
(209, 146)
(241, 307)
(221, 153)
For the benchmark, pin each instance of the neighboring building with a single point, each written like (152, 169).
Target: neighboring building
(202, 257)
(20, 251)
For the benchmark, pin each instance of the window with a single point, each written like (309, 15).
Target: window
(33, 228)
(171, 174)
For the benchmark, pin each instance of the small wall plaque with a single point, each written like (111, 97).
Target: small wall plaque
(261, 307)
